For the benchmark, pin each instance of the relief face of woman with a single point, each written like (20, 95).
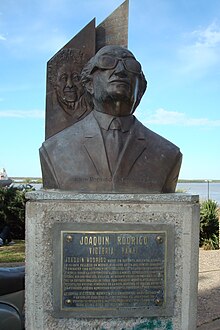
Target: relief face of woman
(68, 86)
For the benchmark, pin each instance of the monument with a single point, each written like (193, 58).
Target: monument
(110, 150)
(110, 245)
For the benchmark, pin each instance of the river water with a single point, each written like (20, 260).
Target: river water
(205, 190)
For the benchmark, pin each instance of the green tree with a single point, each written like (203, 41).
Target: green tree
(12, 210)
(209, 225)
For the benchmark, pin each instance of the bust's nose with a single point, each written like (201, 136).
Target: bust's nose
(69, 82)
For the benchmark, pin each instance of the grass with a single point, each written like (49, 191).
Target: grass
(13, 253)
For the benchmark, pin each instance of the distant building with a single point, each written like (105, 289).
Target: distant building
(4, 179)
(3, 174)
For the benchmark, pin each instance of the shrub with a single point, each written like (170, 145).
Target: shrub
(209, 225)
(12, 210)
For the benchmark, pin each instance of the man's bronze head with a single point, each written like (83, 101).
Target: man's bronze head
(114, 74)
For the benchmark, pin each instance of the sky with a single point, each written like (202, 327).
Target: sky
(177, 43)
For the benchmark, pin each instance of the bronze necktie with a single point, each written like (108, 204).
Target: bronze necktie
(114, 143)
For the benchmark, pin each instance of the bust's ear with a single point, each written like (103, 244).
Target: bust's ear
(89, 86)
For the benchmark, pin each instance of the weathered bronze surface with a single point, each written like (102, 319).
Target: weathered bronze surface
(61, 113)
(110, 271)
(100, 146)
(114, 29)
(67, 101)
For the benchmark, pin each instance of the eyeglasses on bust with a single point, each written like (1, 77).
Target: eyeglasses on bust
(109, 62)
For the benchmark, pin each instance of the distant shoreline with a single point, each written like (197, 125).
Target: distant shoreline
(26, 179)
(39, 180)
(198, 181)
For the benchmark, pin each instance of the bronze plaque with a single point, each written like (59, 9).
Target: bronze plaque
(113, 271)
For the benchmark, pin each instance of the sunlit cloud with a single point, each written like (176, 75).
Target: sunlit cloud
(43, 43)
(52, 43)
(164, 117)
(48, 29)
(202, 50)
(12, 88)
(209, 37)
(22, 114)
(2, 37)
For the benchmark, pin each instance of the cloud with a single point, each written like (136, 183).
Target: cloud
(43, 43)
(53, 24)
(22, 114)
(5, 88)
(202, 49)
(52, 43)
(164, 117)
(208, 37)
(2, 37)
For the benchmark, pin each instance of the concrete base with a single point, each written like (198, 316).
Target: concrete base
(45, 208)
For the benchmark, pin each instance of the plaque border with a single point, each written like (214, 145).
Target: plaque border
(166, 309)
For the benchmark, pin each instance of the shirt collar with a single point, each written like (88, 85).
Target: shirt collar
(104, 120)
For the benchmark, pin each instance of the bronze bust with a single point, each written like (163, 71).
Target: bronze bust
(110, 151)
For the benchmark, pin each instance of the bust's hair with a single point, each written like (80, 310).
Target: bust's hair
(66, 55)
(86, 74)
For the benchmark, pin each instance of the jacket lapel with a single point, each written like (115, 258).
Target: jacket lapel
(94, 145)
(95, 148)
(134, 147)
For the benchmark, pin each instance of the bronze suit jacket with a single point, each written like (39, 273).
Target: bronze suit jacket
(75, 159)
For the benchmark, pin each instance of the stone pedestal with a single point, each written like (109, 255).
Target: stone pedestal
(49, 209)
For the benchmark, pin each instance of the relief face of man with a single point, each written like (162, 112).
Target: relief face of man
(116, 76)
(68, 85)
